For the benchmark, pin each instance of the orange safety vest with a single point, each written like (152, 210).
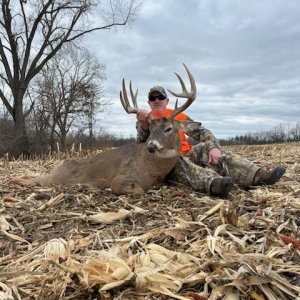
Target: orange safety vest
(186, 147)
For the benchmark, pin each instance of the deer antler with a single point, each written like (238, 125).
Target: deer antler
(124, 99)
(191, 96)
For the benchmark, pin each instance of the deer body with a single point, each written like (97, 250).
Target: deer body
(130, 168)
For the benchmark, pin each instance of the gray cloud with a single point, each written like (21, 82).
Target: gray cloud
(245, 58)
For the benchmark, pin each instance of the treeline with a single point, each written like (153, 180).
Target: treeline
(289, 132)
(42, 142)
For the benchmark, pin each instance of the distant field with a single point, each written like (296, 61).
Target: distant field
(81, 243)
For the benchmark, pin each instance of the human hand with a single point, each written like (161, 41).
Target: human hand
(142, 116)
(214, 156)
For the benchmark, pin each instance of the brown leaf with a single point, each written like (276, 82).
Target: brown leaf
(177, 234)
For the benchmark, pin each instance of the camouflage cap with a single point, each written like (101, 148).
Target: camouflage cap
(159, 89)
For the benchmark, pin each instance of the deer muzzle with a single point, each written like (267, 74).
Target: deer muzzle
(151, 148)
(154, 146)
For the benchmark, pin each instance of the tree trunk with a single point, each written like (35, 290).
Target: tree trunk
(63, 140)
(21, 142)
(91, 135)
(52, 137)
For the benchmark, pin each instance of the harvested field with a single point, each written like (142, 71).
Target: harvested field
(80, 243)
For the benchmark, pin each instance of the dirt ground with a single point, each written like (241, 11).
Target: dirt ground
(171, 243)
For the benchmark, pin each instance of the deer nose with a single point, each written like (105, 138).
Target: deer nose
(152, 147)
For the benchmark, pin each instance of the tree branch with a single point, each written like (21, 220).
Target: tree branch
(6, 103)
(6, 64)
(12, 41)
(30, 39)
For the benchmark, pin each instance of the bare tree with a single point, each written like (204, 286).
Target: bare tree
(32, 32)
(69, 92)
(295, 132)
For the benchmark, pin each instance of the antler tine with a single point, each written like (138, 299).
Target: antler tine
(176, 103)
(182, 85)
(191, 96)
(124, 99)
(133, 96)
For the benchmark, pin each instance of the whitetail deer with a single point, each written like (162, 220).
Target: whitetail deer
(132, 168)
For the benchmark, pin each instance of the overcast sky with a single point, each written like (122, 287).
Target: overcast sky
(244, 55)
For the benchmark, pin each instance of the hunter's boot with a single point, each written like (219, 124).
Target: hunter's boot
(221, 186)
(264, 176)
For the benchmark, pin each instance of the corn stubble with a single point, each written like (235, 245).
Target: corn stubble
(81, 243)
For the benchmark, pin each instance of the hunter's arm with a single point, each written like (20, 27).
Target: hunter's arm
(200, 133)
(142, 134)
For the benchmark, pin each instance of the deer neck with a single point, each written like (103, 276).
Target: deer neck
(160, 163)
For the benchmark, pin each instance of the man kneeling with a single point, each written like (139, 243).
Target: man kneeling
(191, 169)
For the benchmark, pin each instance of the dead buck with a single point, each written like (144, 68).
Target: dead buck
(132, 168)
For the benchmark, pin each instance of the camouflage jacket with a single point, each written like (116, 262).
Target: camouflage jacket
(196, 132)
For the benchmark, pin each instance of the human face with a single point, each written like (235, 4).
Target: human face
(158, 105)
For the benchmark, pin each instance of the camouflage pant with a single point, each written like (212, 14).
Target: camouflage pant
(194, 170)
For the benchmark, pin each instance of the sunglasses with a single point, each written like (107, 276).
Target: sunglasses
(159, 97)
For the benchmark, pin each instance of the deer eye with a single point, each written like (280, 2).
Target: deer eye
(168, 129)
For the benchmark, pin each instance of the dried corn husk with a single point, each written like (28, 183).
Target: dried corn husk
(5, 292)
(56, 249)
(107, 270)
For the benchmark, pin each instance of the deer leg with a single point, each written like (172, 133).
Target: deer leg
(97, 183)
(23, 180)
(123, 186)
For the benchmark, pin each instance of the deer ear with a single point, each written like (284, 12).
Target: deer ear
(187, 126)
